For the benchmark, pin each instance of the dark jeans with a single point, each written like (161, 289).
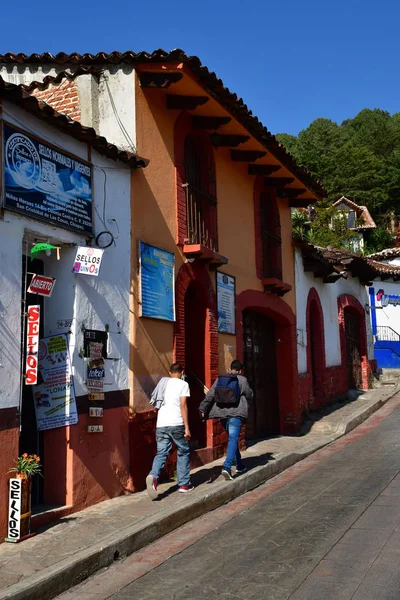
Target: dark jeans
(164, 438)
(232, 426)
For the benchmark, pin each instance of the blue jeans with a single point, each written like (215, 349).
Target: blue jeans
(232, 426)
(164, 438)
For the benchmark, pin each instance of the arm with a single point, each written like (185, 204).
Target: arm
(185, 416)
(206, 404)
(247, 391)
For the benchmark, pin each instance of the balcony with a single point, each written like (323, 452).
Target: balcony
(202, 229)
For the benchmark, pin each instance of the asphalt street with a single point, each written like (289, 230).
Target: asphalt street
(330, 533)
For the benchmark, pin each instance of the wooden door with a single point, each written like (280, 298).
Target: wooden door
(260, 369)
(353, 353)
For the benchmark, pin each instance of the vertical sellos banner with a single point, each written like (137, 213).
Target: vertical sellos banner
(32, 344)
(157, 282)
(14, 510)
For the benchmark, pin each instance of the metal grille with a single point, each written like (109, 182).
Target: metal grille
(271, 236)
(387, 334)
(201, 211)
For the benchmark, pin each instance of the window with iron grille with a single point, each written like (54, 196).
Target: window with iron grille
(201, 202)
(270, 235)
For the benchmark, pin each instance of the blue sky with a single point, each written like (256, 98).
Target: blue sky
(290, 60)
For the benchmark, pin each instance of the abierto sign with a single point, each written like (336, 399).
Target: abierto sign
(41, 285)
(32, 344)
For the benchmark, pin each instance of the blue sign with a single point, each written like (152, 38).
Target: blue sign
(46, 184)
(157, 282)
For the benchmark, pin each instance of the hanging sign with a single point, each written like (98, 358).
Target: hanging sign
(14, 511)
(226, 303)
(41, 285)
(157, 275)
(54, 399)
(32, 345)
(46, 184)
(88, 261)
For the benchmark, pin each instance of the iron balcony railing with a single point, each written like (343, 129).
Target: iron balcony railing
(385, 333)
(201, 215)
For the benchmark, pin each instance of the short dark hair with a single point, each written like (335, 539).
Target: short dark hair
(176, 368)
(236, 365)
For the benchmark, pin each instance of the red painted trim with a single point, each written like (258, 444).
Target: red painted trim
(350, 303)
(286, 350)
(314, 311)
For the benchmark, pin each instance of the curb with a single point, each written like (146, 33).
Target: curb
(73, 570)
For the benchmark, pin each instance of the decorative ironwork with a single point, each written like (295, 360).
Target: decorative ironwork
(201, 211)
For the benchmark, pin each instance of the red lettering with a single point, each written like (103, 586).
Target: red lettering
(33, 313)
(31, 361)
(31, 377)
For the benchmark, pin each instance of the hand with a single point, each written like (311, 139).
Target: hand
(187, 434)
(202, 415)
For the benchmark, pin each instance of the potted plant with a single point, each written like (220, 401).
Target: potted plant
(26, 467)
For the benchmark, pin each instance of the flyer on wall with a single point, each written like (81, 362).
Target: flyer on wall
(226, 303)
(157, 274)
(54, 399)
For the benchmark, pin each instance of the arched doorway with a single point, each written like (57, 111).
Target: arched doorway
(352, 329)
(195, 355)
(315, 348)
(259, 357)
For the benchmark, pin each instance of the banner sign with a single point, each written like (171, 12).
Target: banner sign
(14, 510)
(54, 399)
(44, 183)
(41, 285)
(32, 345)
(226, 303)
(88, 261)
(157, 275)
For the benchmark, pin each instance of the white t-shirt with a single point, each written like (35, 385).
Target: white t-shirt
(170, 414)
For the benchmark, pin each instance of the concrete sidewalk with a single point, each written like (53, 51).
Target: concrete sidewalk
(64, 554)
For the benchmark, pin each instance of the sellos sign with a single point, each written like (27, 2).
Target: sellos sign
(32, 345)
(41, 285)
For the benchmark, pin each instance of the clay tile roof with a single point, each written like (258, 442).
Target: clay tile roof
(213, 85)
(17, 94)
(386, 254)
(361, 211)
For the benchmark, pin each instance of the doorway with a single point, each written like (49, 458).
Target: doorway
(352, 329)
(31, 440)
(195, 359)
(261, 370)
(317, 352)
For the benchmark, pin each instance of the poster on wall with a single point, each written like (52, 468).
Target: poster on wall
(54, 399)
(44, 183)
(226, 303)
(157, 275)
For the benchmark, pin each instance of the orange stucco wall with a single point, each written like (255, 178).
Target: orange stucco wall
(154, 221)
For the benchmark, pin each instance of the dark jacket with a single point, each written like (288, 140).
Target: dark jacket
(212, 411)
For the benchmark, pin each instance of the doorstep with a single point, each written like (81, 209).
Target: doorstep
(73, 549)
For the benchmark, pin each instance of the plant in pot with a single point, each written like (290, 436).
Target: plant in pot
(27, 466)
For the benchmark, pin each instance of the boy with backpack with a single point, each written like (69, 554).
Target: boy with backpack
(228, 400)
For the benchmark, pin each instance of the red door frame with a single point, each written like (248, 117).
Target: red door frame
(314, 304)
(348, 302)
(286, 350)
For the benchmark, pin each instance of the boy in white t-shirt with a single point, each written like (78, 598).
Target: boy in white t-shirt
(172, 426)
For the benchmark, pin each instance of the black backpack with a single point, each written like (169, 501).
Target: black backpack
(227, 391)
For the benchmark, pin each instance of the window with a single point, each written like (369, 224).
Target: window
(201, 202)
(270, 235)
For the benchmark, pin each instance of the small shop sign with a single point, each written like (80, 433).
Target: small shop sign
(32, 345)
(93, 397)
(41, 285)
(95, 429)
(95, 385)
(88, 261)
(95, 411)
(14, 511)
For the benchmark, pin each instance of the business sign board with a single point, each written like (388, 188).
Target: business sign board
(44, 183)
(14, 511)
(54, 399)
(226, 303)
(386, 299)
(157, 275)
(95, 411)
(41, 285)
(88, 261)
(95, 428)
(32, 344)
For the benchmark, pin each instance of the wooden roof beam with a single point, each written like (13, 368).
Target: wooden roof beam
(263, 169)
(158, 80)
(228, 141)
(294, 192)
(278, 182)
(211, 123)
(177, 102)
(247, 155)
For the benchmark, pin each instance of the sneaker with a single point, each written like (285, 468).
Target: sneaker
(241, 470)
(152, 485)
(226, 474)
(184, 489)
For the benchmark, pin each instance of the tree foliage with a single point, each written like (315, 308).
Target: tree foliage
(328, 228)
(360, 158)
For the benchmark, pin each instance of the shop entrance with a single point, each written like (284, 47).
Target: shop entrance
(195, 359)
(31, 440)
(259, 351)
(352, 328)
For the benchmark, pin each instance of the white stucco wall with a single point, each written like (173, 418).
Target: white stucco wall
(91, 302)
(328, 294)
